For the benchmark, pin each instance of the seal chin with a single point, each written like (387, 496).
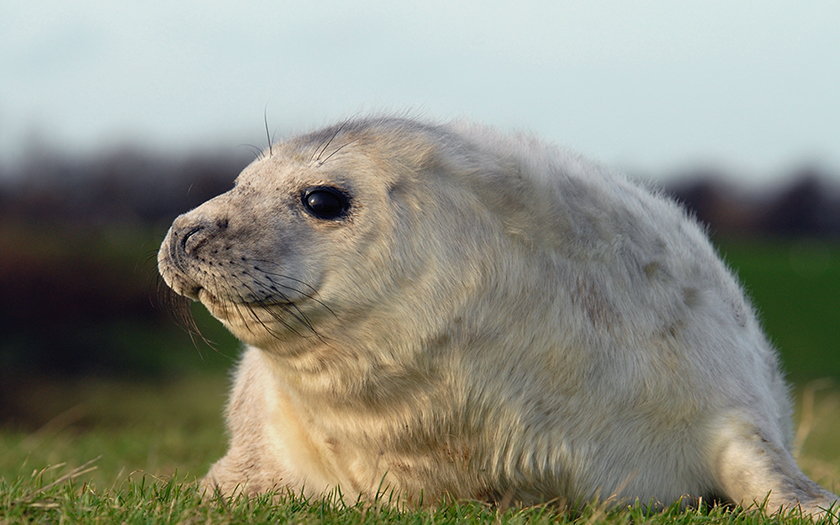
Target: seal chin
(225, 309)
(177, 280)
(217, 308)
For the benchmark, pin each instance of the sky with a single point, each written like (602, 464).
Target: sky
(751, 86)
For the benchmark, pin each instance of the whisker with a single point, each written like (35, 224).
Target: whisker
(223, 285)
(179, 309)
(321, 151)
(267, 133)
(299, 316)
(272, 263)
(311, 296)
(256, 297)
(245, 303)
(336, 150)
(254, 149)
(274, 283)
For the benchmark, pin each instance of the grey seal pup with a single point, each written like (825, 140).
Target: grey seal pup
(446, 311)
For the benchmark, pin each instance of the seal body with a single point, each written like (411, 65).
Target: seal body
(442, 310)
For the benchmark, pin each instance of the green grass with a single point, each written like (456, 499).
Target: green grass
(67, 500)
(133, 428)
(173, 501)
(99, 450)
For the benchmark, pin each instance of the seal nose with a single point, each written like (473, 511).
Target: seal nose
(188, 237)
(191, 240)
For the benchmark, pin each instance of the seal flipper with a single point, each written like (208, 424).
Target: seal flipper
(753, 470)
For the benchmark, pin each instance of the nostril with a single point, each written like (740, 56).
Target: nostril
(190, 241)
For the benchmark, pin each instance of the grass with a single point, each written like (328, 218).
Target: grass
(66, 499)
(105, 450)
(133, 428)
(171, 501)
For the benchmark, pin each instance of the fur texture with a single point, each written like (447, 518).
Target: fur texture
(487, 317)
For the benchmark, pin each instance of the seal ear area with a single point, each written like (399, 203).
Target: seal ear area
(402, 156)
(421, 153)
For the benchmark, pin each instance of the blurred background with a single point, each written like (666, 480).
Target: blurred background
(115, 117)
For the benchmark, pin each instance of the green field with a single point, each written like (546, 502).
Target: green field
(795, 286)
(106, 449)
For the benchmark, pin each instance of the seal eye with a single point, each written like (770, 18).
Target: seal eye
(325, 202)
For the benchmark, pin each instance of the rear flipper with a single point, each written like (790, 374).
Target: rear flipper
(752, 468)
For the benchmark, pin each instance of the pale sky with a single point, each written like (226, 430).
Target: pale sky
(750, 86)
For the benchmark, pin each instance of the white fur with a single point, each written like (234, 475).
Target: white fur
(494, 317)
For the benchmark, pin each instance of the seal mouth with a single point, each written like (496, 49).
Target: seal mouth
(218, 308)
(224, 308)
(206, 297)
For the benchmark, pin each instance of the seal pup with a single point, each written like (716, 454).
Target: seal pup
(445, 311)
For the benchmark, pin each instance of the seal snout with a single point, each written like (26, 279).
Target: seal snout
(185, 251)
(188, 236)
(191, 240)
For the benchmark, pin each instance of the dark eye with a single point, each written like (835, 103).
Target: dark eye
(325, 202)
